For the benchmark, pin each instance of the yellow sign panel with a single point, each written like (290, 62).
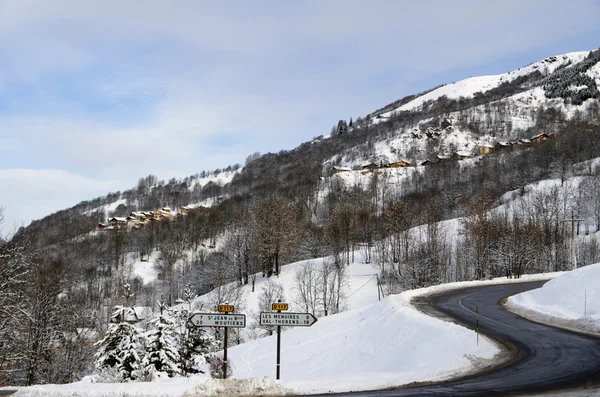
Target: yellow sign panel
(279, 306)
(225, 308)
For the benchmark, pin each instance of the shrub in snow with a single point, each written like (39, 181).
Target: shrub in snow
(216, 367)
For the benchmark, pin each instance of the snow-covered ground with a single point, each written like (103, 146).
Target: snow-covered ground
(571, 300)
(378, 344)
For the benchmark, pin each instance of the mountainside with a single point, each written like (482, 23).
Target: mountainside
(464, 117)
(384, 183)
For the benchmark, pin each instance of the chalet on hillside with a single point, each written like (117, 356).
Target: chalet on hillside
(370, 166)
(164, 214)
(133, 223)
(441, 158)
(139, 313)
(186, 209)
(337, 170)
(502, 146)
(540, 138)
(101, 226)
(117, 221)
(462, 155)
(485, 148)
(139, 215)
(399, 164)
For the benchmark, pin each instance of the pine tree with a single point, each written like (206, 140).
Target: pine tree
(195, 347)
(119, 348)
(342, 127)
(129, 358)
(162, 354)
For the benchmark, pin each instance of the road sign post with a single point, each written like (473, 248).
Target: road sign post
(279, 306)
(284, 319)
(226, 320)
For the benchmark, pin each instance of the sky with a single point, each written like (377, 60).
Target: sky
(96, 94)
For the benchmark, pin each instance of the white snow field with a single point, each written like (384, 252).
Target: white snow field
(384, 344)
(571, 300)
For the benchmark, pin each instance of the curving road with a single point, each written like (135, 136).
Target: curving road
(547, 358)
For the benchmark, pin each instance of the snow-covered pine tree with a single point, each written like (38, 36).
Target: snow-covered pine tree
(129, 364)
(162, 350)
(119, 348)
(195, 349)
(195, 343)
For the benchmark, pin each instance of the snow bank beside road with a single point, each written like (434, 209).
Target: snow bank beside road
(387, 344)
(571, 300)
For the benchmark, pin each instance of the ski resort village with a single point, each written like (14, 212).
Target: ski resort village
(273, 198)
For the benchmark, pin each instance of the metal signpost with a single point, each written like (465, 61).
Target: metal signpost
(226, 320)
(284, 319)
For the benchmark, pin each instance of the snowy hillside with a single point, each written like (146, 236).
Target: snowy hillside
(455, 118)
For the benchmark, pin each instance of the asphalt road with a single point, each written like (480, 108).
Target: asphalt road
(547, 358)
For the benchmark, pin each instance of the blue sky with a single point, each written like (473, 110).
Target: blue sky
(95, 94)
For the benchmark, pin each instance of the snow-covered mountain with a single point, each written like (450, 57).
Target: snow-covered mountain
(473, 86)
(481, 111)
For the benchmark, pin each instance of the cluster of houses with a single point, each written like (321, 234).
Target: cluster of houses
(138, 219)
(481, 150)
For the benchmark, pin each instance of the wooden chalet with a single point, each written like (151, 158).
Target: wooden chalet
(137, 314)
(162, 214)
(502, 145)
(117, 221)
(139, 215)
(133, 222)
(337, 170)
(485, 148)
(400, 164)
(540, 138)
(186, 209)
(462, 155)
(441, 158)
(515, 144)
(101, 226)
(370, 166)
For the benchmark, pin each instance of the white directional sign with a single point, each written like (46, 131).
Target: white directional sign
(218, 320)
(287, 319)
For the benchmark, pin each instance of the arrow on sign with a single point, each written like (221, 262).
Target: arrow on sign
(287, 319)
(218, 320)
